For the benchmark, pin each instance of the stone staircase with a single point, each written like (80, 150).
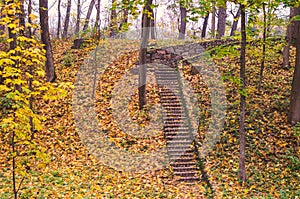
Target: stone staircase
(177, 132)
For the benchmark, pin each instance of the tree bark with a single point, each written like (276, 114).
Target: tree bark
(97, 22)
(221, 22)
(77, 26)
(213, 20)
(290, 39)
(125, 16)
(88, 16)
(50, 70)
(294, 112)
(242, 147)
(12, 46)
(262, 66)
(2, 27)
(29, 8)
(113, 18)
(59, 19)
(183, 15)
(67, 20)
(143, 54)
(22, 16)
(205, 23)
(152, 26)
(235, 22)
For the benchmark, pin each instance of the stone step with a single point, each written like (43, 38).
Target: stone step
(166, 73)
(168, 70)
(177, 137)
(181, 121)
(173, 104)
(180, 142)
(177, 150)
(170, 107)
(169, 129)
(184, 169)
(190, 179)
(170, 94)
(175, 125)
(182, 164)
(181, 159)
(170, 101)
(186, 173)
(181, 155)
(175, 119)
(177, 133)
(175, 115)
(167, 76)
(167, 81)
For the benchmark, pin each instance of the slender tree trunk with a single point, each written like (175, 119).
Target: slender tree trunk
(67, 20)
(264, 48)
(286, 56)
(235, 22)
(290, 40)
(113, 18)
(221, 22)
(2, 27)
(97, 22)
(59, 19)
(205, 23)
(29, 34)
(29, 8)
(213, 21)
(152, 26)
(143, 54)
(242, 167)
(123, 24)
(50, 70)
(77, 27)
(2, 31)
(12, 46)
(294, 112)
(183, 15)
(22, 18)
(88, 16)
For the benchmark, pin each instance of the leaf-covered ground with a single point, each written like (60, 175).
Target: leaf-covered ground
(272, 145)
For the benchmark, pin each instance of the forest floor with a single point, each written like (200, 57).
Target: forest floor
(272, 151)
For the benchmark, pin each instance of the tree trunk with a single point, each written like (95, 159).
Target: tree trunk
(152, 26)
(12, 46)
(290, 39)
(50, 70)
(59, 19)
(97, 22)
(264, 48)
(22, 16)
(221, 22)
(77, 26)
(88, 16)
(67, 20)
(143, 54)
(2, 27)
(294, 112)
(213, 21)
(242, 167)
(183, 15)
(113, 18)
(235, 22)
(29, 9)
(2, 32)
(205, 23)
(123, 25)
